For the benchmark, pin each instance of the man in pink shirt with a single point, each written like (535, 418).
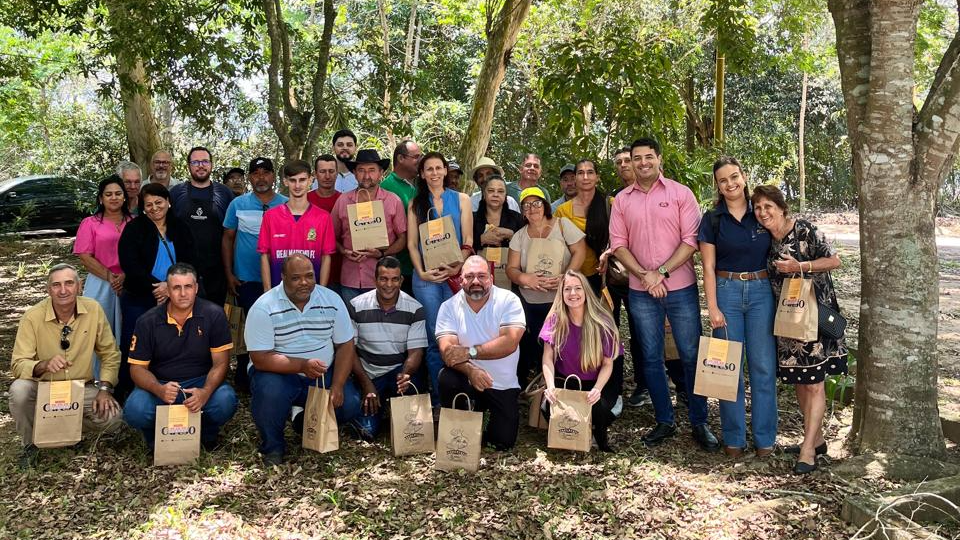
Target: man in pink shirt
(357, 274)
(295, 227)
(653, 231)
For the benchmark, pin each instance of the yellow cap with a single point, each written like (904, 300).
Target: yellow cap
(534, 191)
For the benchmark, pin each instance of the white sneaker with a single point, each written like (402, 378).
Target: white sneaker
(617, 407)
(294, 411)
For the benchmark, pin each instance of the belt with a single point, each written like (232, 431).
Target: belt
(743, 276)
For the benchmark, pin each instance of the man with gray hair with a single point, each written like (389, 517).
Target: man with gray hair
(56, 340)
(131, 175)
(478, 332)
(161, 167)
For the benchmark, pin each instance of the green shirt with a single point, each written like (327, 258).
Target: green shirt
(406, 191)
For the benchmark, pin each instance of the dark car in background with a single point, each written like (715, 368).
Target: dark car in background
(31, 203)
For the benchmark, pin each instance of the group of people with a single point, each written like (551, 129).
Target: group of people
(373, 319)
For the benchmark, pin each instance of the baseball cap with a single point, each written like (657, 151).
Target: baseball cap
(260, 163)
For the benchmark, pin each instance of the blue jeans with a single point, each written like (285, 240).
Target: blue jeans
(349, 293)
(131, 308)
(386, 386)
(247, 293)
(273, 395)
(431, 295)
(748, 307)
(140, 410)
(682, 308)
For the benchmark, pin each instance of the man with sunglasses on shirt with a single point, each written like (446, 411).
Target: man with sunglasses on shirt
(241, 230)
(56, 340)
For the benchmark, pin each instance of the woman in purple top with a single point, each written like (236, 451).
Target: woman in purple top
(580, 338)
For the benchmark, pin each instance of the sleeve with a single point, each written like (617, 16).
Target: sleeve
(689, 216)
(136, 269)
(230, 220)
(817, 245)
(342, 325)
(258, 331)
(706, 229)
(141, 344)
(446, 320)
(86, 237)
(618, 227)
(417, 334)
(513, 311)
(546, 333)
(352, 311)
(516, 241)
(219, 332)
(263, 240)
(335, 218)
(328, 245)
(106, 349)
(399, 217)
(563, 210)
(571, 233)
(25, 349)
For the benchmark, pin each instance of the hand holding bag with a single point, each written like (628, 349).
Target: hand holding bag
(571, 417)
(319, 421)
(58, 413)
(368, 223)
(718, 368)
(797, 314)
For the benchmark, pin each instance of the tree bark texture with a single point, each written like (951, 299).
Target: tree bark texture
(801, 164)
(899, 162)
(504, 18)
(718, 100)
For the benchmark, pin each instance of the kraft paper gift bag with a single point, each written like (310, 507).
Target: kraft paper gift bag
(319, 421)
(368, 224)
(718, 368)
(438, 243)
(545, 257)
(58, 414)
(498, 257)
(176, 435)
(459, 437)
(797, 314)
(411, 424)
(534, 393)
(237, 321)
(570, 420)
(670, 351)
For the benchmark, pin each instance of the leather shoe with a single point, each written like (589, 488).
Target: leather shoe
(804, 468)
(764, 452)
(794, 449)
(659, 433)
(732, 451)
(705, 438)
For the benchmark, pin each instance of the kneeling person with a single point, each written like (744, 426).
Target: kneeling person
(179, 354)
(478, 331)
(295, 332)
(391, 337)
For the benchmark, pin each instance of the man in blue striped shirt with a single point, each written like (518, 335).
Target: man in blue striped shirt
(391, 336)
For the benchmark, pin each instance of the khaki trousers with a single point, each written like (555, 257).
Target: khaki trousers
(23, 403)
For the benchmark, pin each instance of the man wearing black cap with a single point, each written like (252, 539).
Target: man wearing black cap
(454, 173)
(241, 229)
(568, 185)
(357, 275)
(233, 179)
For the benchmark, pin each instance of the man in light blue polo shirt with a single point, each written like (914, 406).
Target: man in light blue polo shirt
(295, 333)
(241, 262)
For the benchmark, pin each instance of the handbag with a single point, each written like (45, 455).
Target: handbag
(617, 274)
(830, 322)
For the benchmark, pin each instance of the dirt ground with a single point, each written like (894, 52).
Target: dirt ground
(106, 488)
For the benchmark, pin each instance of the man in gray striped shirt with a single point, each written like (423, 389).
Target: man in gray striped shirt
(390, 330)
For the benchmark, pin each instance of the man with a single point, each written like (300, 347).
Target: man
(484, 169)
(391, 336)
(452, 181)
(179, 355)
(325, 196)
(357, 272)
(568, 185)
(402, 183)
(478, 332)
(530, 172)
(344, 147)
(56, 340)
(161, 166)
(131, 175)
(241, 231)
(653, 231)
(623, 166)
(234, 180)
(202, 205)
(295, 227)
(296, 333)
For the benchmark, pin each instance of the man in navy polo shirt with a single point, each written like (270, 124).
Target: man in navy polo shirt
(296, 333)
(179, 354)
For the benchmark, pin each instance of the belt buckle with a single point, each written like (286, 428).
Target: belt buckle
(744, 276)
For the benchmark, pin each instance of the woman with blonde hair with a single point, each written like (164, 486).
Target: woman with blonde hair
(580, 338)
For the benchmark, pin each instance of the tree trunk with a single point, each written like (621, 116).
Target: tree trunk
(899, 160)
(386, 109)
(801, 166)
(503, 28)
(718, 100)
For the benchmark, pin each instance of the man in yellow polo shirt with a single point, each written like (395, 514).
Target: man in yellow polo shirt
(56, 340)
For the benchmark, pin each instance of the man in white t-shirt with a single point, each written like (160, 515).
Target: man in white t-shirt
(478, 331)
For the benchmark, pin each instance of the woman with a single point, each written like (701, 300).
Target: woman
(149, 246)
(538, 287)
(589, 210)
(580, 338)
(798, 247)
(494, 223)
(740, 302)
(97, 247)
(430, 286)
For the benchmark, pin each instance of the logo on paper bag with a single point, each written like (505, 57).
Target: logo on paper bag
(455, 448)
(437, 238)
(413, 431)
(569, 427)
(544, 265)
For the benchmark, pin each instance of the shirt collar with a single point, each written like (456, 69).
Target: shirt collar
(721, 208)
(50, 315)
(662, 180)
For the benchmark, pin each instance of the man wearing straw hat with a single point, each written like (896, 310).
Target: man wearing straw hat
(357, 271)
(484, 169)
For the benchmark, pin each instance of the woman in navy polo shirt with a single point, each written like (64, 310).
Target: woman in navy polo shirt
(740, 302)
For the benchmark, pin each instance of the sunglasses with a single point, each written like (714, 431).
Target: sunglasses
(64, 332)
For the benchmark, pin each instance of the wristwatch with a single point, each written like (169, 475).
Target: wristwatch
(472, 352)
(663, 271)
(104, 387)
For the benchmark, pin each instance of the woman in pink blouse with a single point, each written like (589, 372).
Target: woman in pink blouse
(96, 246)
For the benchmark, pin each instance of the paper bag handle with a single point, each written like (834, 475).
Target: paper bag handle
(66, 375)
(367, 191)
(316, 382)
(579, 382)
(435, 211)
(454, 404)
(415, 389)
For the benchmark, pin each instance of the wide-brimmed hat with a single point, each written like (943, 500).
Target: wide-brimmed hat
(368, 155)
(485, 162)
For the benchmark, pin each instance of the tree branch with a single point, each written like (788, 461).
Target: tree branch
(937, 129)
(320, 79)
(277, 120)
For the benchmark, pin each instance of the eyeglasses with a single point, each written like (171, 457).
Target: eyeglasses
(475, 277)
(160, 162)
(198, 162)
(413, 157)
(532, 204)
(64, 332)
